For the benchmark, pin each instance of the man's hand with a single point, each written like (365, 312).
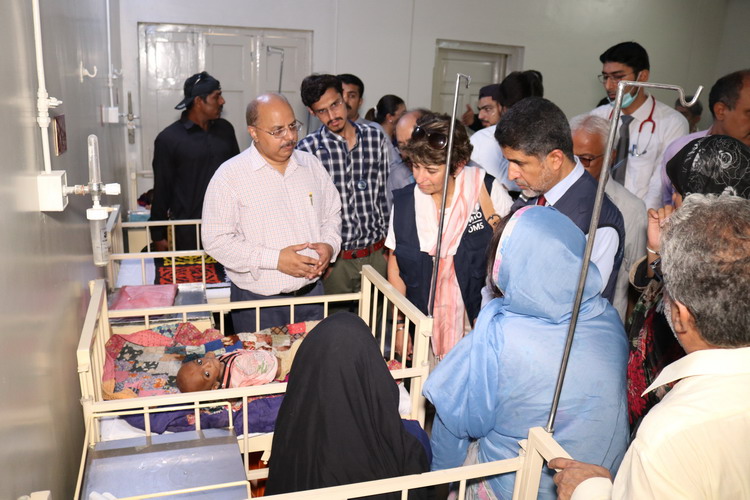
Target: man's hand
(160, 246)
(325, 253)
(656, 219)
(295, 264)
(468, 117)
(572, 473)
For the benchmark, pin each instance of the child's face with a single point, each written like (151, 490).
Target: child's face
(201, 374)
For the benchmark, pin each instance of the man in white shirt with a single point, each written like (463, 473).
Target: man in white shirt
(652, 125)
(535, 138)
(490, 112)
(693, 444)
(589, 143)
(272, 217)
(514, 87)
(486, 152)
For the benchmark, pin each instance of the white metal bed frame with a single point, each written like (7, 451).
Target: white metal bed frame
(378, 301)
(118, 229)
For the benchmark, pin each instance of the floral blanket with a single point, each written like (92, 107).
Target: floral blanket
(145, 363)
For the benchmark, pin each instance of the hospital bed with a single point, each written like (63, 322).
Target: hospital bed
(378, 302)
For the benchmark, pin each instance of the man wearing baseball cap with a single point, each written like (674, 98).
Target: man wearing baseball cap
(186, 155)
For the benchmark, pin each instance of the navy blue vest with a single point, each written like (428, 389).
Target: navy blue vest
(415, 266)
(578, 204)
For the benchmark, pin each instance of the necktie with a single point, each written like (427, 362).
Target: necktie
(623, 144)
(541, 200)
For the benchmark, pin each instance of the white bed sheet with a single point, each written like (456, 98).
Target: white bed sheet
(130, 273)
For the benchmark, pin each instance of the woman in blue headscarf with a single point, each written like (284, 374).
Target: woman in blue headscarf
(499, 380)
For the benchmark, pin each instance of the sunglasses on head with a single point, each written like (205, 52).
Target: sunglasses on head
(436, 140)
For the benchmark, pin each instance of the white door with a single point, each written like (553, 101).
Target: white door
(484, 63)
(229, 59)
(238, 57)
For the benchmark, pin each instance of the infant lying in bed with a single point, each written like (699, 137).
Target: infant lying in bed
(241, 368)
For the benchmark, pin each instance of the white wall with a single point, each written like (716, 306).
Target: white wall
(45, 258)
(734, 51)
(391, 44)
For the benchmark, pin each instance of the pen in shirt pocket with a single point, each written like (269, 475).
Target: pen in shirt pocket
(311, 202)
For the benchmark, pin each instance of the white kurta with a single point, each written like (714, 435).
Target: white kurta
(694, 443)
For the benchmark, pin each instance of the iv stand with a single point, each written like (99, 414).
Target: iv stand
(595, 222)
(436, 260)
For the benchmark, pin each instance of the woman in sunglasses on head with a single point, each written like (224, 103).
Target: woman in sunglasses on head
(475, 203)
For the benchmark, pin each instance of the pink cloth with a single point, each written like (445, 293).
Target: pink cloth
(449, 310)
(144, 296)
(246, 368)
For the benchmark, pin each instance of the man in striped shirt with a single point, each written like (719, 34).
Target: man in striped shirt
(272, 217)
(356, 156)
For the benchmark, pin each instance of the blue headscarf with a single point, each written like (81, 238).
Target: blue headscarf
(498, 381)
(538, 262)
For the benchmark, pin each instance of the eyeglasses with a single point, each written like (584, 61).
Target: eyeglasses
(333, 107)
(280, 133)
(587, 159)
(604, 78)
(436, 140)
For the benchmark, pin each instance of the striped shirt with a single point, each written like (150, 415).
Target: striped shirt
(360, 176)
(252, 211)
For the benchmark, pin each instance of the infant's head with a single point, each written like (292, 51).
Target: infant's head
(200, 374)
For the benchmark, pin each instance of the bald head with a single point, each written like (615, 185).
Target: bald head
(405, 126)
(273, 127)
(253, 109)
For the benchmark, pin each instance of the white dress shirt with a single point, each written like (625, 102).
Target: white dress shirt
(636, 223)
(252, 211)
(694, 443)
(488, 155)
(501, 202)
(643, 176)
(607, 239)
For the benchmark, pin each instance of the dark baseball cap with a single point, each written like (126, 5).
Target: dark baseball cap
(200, 84)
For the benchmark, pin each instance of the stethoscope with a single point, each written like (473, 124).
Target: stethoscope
(650, 120)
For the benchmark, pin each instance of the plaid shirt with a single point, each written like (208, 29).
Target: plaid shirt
(360, 176)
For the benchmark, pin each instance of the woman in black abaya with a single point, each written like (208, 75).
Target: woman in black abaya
(339, 422)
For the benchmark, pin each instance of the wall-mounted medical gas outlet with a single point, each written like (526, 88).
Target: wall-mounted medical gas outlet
(110, 114)
(54, 190)
(51, 187)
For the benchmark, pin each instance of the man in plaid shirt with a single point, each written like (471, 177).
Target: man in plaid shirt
(356, 156)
